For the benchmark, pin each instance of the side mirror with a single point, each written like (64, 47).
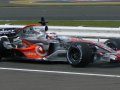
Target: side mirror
(46, 28)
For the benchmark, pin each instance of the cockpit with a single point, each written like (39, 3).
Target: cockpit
(33, 32)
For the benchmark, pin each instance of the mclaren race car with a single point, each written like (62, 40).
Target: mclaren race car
(34, 43)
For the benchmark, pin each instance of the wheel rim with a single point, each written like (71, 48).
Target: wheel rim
(75, 54)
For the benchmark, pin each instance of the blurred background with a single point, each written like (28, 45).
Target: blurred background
(79, 0)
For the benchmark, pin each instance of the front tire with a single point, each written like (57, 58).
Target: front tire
(113, 43)
(79, 55)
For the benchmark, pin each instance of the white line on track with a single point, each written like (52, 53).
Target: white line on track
(61, 72)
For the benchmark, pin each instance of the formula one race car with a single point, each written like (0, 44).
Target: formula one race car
(33, 42)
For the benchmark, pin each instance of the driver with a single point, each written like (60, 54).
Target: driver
(43, 33)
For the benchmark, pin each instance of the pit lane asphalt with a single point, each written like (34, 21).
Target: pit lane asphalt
(61, 13)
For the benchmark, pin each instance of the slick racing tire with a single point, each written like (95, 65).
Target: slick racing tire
(0, 58)
(79, 55)
(2, 50)
(113, 43)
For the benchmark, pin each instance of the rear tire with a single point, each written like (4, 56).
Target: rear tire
(0, 58)
(79, 55)
(113, 43)
(2, 50)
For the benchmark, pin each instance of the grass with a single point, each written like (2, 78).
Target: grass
(75, 4)
(68, 23)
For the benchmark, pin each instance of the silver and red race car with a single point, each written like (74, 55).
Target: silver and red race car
(34, 43)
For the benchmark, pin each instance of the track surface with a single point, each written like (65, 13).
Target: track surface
(61, 13)
(29, 80)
